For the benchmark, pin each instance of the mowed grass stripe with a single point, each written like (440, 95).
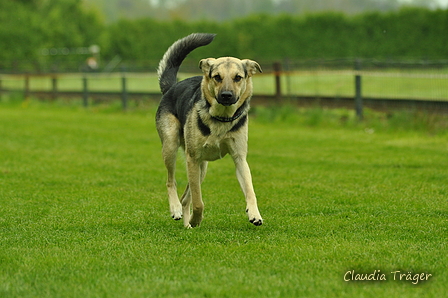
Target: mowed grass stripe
(84, 211)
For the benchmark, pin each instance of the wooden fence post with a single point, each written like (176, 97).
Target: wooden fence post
(124, 93)
(278, 87)
(54, 87)
(85, 93)
(358, 90)
(27, 86)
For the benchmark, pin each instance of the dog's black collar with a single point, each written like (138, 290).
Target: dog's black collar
(235, 116)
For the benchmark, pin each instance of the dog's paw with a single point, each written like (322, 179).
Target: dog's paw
(176, 215)
(193, 224)
(195, 221)
(256, 221)
(176, 212)
(254, 218)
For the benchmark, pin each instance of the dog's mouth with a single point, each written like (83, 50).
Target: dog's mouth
(226, 98)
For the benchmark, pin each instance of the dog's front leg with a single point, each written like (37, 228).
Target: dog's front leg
(194, 182)
(245, 180)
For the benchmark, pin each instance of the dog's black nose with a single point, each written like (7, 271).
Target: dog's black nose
(226, 98)
(226, 95)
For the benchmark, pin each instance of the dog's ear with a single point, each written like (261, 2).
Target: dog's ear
(252, 67)
(206, 64)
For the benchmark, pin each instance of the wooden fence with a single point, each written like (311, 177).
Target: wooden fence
(122, 91)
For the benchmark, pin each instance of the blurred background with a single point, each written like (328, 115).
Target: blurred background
(399, 46)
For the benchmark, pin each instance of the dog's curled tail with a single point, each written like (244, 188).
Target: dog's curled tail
(176, 53)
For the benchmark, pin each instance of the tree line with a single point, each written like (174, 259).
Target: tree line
(31, 26)
(229, 9)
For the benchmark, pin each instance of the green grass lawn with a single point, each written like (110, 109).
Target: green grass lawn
(84, 210)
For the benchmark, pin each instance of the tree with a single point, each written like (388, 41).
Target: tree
(29, 26)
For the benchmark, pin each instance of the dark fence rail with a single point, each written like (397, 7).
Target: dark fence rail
(327, 84)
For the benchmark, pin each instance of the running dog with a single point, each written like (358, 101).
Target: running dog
(208, 117)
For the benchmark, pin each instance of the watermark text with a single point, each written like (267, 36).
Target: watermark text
(396, 275)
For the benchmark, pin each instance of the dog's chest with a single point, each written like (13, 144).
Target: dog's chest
(214, 147)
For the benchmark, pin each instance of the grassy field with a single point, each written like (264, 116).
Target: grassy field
(423, 84)
(84, 211)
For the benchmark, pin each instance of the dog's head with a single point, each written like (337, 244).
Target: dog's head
(227, 81)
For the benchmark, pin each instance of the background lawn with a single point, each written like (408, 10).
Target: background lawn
(390, 84)
(84, 211)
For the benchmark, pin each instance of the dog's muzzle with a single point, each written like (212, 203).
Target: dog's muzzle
(226, 98)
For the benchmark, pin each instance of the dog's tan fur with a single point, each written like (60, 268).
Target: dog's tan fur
(211, 131)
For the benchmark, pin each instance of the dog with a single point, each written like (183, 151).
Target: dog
(208, 117)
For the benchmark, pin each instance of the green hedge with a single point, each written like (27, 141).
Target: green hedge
(29, 26)
(408, 33)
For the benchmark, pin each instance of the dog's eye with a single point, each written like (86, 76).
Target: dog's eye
(218, 78)
(237, 78)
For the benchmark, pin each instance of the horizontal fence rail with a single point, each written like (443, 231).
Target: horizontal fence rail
(384, 89)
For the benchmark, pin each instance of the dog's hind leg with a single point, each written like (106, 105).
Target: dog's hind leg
(194, 197)
(169, 133)
(186, 202)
